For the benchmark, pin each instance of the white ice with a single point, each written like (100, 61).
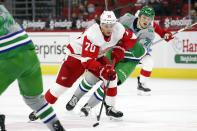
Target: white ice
(172, 106)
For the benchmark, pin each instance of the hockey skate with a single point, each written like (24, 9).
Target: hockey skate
(85, 110)
(57, 126)
(2, 122)
(72, 103)
(32, 116)
(113, 113)
(142, 89)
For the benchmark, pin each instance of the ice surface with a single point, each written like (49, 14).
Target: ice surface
(172, 106)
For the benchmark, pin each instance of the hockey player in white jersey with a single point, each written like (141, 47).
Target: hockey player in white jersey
(145, 33)
(87, 53)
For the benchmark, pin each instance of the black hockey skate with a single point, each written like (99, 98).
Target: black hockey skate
(86, 109)
(32, 116)
(2, 122)
(57, 126)
(141, 86)
(112, 112)
(72, 103)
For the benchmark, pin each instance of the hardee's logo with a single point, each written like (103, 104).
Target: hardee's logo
(186, 51)
(189, 47)
(184, 46)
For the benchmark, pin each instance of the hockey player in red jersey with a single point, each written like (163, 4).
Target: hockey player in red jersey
(87, 53)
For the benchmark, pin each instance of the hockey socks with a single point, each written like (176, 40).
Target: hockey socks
(48, 117)
(53, 94)
(50, 98)
(46, 113)
(83, 88)
(144, 75)
(97, 97)
(94, 100)
(99, 93)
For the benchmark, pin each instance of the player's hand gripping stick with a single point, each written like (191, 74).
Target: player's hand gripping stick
(107, 86)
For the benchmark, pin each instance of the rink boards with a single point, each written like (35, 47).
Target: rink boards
(176, 59)
(156, 73)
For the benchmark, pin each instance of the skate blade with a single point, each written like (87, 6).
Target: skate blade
(81, 114)
(33, 121)
(142, 93)
(115, 118)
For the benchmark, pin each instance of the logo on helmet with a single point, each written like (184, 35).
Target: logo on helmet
(147, 11)
(108, 17)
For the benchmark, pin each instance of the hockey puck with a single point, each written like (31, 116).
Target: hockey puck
(96, 124)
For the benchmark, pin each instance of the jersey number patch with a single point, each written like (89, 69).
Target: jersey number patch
(148, 41)
(89, 49)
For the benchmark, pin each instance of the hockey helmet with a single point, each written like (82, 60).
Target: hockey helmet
(108, 17)
(147, 11)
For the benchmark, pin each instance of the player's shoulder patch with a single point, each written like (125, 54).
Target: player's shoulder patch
(150, 30)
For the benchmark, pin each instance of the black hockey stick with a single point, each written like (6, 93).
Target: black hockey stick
(103, 101)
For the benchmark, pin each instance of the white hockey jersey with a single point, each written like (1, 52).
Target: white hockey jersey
(92, 44)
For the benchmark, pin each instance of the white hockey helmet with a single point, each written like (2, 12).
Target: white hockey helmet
(108, 17)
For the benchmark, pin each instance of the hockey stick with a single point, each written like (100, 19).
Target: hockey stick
(107, 86)
(185, 28)
(106, 4)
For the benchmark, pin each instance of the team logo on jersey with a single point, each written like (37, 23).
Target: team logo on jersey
(109, 16)
(64, 78)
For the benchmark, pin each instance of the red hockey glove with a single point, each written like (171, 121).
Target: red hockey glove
(107, 73)
(168, 35)
(117, 53)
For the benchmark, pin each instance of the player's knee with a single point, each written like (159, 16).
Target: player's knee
(147, 63)
(52, 94)
(58, 90)
(91, 79)
(34, 102)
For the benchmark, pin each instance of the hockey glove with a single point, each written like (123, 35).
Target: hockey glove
(107, 73)
(117, 53)
(168, 36)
